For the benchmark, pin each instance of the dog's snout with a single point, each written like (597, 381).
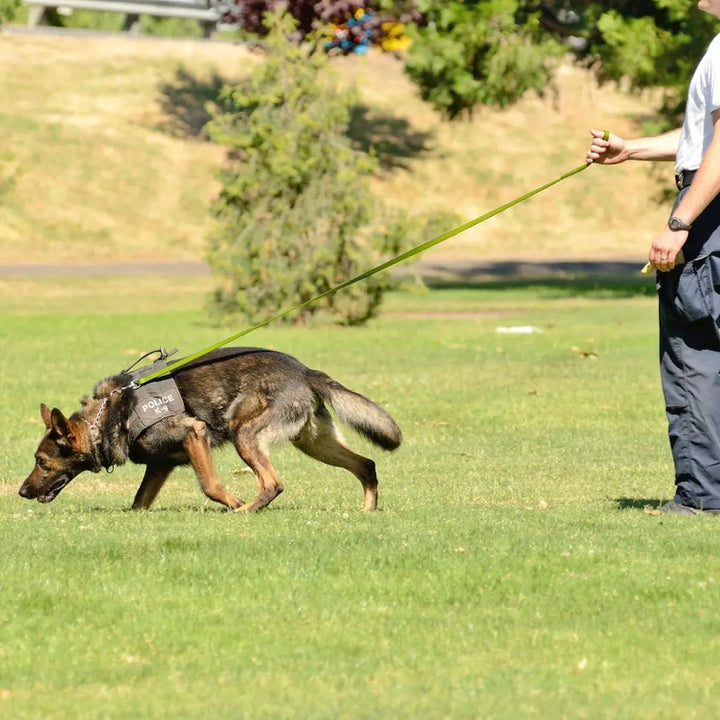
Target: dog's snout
(26, 492)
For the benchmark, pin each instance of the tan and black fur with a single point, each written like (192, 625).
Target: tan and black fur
(251, 397)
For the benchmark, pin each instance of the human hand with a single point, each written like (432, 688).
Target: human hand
(608, 151)
(666, 249)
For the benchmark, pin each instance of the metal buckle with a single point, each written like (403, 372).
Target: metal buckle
(684, 178)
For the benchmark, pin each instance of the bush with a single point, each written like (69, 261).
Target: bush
(8, 8)
(479, 53)
(296, 215)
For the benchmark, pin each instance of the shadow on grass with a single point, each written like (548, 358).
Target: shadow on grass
(159, 510)
(200, 509)
(186, 101)
(391, 138)
(544, 279)
(626, 503)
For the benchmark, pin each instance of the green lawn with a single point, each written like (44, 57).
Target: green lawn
(515, 570)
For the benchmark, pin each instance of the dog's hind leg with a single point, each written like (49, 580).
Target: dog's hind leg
(197, 447)
(155, 477)
(322, 441)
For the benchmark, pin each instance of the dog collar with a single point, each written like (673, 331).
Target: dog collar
(96, 437)
(94, 432)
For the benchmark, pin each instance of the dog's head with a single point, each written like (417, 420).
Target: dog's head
(62, 455)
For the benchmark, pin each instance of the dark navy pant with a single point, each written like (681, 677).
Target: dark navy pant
(689, 312)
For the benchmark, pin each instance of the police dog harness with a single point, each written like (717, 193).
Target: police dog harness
(154, 401)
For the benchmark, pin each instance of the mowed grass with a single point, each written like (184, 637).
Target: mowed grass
(515, 568)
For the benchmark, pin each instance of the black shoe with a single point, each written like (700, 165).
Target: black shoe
(675, 508)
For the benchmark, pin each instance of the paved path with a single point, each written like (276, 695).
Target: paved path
(92, 33)
(105, 269)
(457, 270)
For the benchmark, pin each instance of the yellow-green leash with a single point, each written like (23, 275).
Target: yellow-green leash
(383, 266)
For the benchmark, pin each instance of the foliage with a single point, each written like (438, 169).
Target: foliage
(296, 210)
(650, 44)
(492, 51)
(8, 8)
(470, 53)
(310, 14)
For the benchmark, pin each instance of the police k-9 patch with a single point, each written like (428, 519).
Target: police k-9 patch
(155, 401)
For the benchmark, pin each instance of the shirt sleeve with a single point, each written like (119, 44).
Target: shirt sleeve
(712, 75)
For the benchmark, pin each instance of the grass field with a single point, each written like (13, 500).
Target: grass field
(515, 569)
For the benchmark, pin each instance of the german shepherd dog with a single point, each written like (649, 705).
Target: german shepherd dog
(250, 396)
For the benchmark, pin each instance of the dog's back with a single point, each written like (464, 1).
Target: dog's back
(231, 386)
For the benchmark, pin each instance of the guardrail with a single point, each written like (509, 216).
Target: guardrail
(207, 12)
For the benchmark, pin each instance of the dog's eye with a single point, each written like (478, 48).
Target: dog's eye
(40, 462)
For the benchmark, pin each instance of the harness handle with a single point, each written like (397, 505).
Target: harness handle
(164, 354)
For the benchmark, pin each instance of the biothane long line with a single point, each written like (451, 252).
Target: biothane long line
(368, 273)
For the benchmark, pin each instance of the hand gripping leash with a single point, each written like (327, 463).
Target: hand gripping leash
(368, 273)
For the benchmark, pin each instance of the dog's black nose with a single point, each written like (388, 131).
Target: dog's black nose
(25, 492)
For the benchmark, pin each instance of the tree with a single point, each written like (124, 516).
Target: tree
(651, 44)
(469, 53)
(492, 51)
(296, 213)
(479, 53)
(8, 8)
(310, 14)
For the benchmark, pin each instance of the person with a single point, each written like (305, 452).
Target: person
(686, 255)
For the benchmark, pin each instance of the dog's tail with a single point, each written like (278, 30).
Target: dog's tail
(357, 411)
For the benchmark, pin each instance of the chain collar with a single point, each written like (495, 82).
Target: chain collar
(94, 432)
(94, 426)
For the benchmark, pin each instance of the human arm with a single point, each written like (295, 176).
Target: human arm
(615, 149)
(705, 186)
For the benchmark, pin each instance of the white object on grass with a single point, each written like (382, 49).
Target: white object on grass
(517, 329)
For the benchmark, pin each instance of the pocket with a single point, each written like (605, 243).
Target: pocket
(697, 292)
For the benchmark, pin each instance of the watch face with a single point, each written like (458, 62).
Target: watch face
(677, 224)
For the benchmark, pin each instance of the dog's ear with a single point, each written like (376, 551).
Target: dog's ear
(61, 427)
(45, 415)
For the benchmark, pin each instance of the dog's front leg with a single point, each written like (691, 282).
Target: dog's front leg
(197, 447)
(155, 477)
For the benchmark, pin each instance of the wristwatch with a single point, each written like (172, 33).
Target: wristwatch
(675, 224)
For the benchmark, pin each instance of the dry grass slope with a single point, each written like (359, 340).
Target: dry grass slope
(101, 171)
